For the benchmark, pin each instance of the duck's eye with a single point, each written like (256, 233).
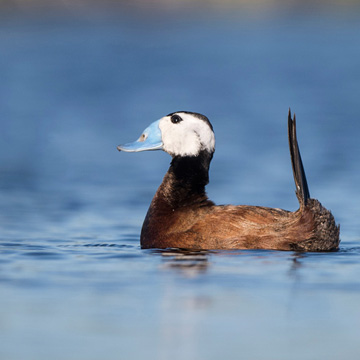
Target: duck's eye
(175, 119)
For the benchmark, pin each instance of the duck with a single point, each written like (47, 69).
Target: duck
(181, 215)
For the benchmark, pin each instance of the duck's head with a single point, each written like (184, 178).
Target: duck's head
(181, 133)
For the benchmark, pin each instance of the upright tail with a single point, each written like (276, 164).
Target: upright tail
(302, 190)
(324, 234)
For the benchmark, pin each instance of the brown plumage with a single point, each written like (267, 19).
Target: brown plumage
(181, 215)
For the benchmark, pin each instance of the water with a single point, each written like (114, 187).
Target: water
(74, 283)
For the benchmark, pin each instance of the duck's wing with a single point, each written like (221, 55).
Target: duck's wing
(251, 227)
(311, 228)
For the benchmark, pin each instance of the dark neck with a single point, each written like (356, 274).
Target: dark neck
(184, 183)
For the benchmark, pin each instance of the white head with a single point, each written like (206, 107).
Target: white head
(186, 134)
(181, 134)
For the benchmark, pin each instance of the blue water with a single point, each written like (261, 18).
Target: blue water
(74, 283)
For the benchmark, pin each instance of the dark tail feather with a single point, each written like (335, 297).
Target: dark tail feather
(302, 190)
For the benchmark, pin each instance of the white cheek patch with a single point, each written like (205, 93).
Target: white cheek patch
(188, 137)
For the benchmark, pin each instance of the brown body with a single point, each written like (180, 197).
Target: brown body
(181, 216)
(199, 224)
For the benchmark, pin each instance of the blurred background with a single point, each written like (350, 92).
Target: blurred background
(77, 78)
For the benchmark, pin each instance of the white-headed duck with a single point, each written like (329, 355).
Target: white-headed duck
(182, 216)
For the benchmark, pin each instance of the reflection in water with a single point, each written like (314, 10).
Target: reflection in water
(296, 264)
(183, 307)
(295, 280)
(188, 263)
(191, 263)
(186, 304)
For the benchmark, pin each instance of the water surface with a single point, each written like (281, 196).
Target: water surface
(74, 283)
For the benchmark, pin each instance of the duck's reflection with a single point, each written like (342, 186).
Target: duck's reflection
(296, 264)
(188, 304)
(188, 263)
(191, 263)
